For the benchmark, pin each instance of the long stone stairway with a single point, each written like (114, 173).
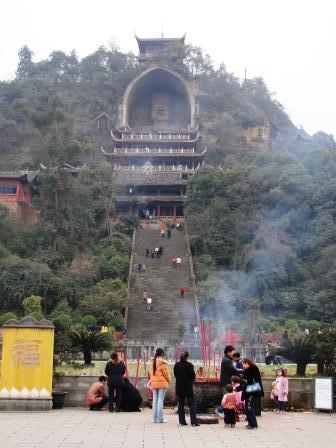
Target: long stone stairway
(162, 281)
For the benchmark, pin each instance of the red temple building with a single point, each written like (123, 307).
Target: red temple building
(16, 188)
(156, 144)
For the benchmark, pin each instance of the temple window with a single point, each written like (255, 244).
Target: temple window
(7, 190)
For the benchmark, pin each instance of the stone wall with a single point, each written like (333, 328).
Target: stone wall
(301, 391)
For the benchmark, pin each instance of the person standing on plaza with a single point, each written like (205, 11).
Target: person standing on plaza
(185, 376)
(229, 406)
(178, 262)
(280, 389)
(159, 382)
(252, 377)
(168, 233)
(236, 361)
(227, 371)
(115, 370)
(227, 368)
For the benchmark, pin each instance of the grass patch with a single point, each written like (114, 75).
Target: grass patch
(99, 366)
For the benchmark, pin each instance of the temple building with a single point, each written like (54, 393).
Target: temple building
(16, 190)
(155, 145)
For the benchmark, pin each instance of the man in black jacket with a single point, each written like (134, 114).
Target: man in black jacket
(227, 368)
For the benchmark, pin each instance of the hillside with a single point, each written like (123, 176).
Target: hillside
(95, 85)
(262, 221)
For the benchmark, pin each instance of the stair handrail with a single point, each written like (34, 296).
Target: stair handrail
(193, 276)
(130, 271)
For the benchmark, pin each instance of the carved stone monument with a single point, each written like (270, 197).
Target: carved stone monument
(27, 365)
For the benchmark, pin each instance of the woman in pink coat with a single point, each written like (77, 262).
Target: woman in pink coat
(280, 390)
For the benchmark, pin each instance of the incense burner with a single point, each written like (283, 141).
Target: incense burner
(208, 394)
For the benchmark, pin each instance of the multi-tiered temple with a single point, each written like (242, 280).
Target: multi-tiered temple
(156, 144)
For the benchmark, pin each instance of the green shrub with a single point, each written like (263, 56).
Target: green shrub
(88, 320)
(117, 321)
(6, 316)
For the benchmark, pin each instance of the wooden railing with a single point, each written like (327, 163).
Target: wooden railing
(155, 136)
(148, 169)
(154, 150)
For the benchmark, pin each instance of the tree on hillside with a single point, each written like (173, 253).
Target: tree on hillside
(26, 65)
(32, 306)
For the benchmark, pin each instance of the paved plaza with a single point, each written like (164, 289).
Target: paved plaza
(74, 428)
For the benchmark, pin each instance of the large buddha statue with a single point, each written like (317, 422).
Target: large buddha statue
(160, 109)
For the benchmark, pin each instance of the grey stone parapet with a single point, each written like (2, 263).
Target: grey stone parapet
(28, 322)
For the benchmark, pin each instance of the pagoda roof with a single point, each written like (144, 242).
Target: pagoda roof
(124, 178)
(24, 175)
(158, 40)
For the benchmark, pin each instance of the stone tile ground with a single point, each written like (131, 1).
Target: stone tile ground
(78, 428)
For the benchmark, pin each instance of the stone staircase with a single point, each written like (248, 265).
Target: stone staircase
(162, 281)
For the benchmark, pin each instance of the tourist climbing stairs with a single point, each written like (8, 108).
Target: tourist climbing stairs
(162, 281)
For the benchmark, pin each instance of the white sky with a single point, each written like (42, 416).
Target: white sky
(290, 43)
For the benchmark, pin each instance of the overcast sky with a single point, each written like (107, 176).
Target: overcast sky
(290, 43)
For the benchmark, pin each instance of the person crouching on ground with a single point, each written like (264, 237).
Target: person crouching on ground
(159, 380)
(115, 371)
(131, 398)
(229, 405)
(185, 376)
(96, 397)
(280, 390)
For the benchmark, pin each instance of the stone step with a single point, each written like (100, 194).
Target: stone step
(162, 282)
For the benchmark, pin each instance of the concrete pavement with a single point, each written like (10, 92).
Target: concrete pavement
(78, 428)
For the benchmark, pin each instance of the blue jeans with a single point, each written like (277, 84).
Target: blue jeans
(157, 408)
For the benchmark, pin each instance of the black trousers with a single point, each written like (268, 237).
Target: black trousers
(257, 406)
(192, 406)
(115, 394)
(101, 404)
(229, 416)
(250, 404)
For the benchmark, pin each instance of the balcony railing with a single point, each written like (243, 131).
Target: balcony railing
(150, 197)
(154, 150)
(147, 169)
(156, 136)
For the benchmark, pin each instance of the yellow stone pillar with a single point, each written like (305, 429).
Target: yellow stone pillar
(27, 365)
